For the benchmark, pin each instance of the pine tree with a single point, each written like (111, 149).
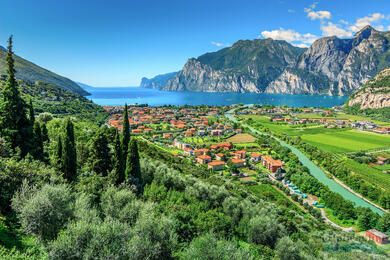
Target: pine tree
(15, 127)
(69, 152)
(118, 173)
(133, 168)
(100, 158)
(38, 142)
(59, 151)
(125, 134)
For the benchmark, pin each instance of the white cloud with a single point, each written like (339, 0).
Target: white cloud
(290, 36)
(388, 28)
(219, 44)
(301, 45)
(320, 15)
(367, 20)
(314, 15)
(331, 29)
(291, 10)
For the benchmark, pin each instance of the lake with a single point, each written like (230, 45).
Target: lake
(110, 96)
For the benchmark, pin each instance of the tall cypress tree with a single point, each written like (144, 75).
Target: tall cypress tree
(118, 174)
(45, 135)
(100, 153)
(15, 127)
(31, 112)
(59, 151)
(133, 168)
(38, 141)
(69, 153)
(125, 133)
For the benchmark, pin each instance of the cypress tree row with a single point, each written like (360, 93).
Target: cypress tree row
(100, 153)
(133, 168)
(15, 127)
(69, 153)
(125, 134)
(118, 174)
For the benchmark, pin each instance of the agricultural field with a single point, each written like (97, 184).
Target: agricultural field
(328, 139)
(241, 138)
(207, 140)
(342, 116)
(347, 141)
(370, 174)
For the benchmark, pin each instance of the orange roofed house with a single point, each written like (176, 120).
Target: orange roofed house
(271, 164)
(238, 162)
(203, 159)
(216, 165)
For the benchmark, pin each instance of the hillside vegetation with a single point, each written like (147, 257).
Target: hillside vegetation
(28, 71)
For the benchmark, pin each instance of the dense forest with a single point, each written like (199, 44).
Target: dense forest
(73, 189)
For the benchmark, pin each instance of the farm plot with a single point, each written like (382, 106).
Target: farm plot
(347, 141)
(241, 138)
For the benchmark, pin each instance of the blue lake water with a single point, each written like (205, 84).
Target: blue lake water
(109, 96)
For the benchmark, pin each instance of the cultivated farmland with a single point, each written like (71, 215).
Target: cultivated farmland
(241, 138)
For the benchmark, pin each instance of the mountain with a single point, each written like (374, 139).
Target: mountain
(374, 94)
(247, 66)
(28, 71)
(57, 101)
(158, 82)
(329, 66)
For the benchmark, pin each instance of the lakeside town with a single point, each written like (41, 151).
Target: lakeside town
(206, 137)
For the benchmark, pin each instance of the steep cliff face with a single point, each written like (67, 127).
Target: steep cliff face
(247, 66)
(374, 94)
(199, 77)
(157, 82)
(349, 62)
(330, 66)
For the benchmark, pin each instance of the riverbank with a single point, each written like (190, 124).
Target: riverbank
(317, 172)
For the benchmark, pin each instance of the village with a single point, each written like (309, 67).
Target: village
(204, 136)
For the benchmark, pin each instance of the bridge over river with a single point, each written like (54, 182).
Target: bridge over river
(319, 174)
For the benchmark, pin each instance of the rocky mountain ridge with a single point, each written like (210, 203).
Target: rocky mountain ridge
(331, 66)
(374, 94)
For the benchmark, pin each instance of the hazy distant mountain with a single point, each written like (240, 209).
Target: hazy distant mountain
(330, 66)
(374, 94)
(28, 71)
(158, 81)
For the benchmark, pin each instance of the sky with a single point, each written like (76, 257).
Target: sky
(117, 42)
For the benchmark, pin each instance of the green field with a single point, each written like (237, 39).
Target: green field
(330, 140)
(343, 116)
(347, 141)
(370, 174)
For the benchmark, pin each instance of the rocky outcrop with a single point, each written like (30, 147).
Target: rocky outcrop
(157, 82)
(199, 77)
(374, 94)
(330, 66)
(290, 83)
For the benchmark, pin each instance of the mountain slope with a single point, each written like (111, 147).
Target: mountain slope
(330, 66)
(247, 66)
(28, 71)
(158, 81)
(57, 101)
(374, 94)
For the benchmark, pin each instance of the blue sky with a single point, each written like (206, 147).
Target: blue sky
(116, 42)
